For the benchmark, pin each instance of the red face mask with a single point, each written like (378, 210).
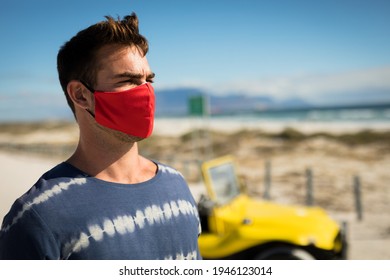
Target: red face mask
(130, 111)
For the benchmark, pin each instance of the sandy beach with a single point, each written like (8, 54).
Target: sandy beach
(335, 154)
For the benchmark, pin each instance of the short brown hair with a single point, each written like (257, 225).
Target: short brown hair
(76, 59)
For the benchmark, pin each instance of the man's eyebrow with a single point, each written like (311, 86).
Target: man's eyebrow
(130, 75)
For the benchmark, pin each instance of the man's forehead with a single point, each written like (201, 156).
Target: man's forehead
(121, 59)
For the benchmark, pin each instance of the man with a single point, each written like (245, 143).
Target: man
(106, 201)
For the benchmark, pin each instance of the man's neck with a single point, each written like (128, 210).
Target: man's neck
(113, 162)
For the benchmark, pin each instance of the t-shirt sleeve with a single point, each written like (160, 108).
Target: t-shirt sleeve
(25, 236)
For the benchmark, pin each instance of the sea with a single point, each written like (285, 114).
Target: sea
(377, 113)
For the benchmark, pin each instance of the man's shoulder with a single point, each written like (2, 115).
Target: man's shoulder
(54, 181)
(62, 170)
(168, 170)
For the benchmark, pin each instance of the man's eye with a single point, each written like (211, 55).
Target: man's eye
(130, 81)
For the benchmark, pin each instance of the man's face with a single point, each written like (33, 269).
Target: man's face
(121, 68)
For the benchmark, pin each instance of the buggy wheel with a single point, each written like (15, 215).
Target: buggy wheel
(284, 253)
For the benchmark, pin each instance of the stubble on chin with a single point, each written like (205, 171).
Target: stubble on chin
(121, 136)
(126, 138)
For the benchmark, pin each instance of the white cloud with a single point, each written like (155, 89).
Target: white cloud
(374, 78)
(308, 86)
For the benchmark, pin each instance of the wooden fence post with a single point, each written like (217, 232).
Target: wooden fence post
(267, 180)
(309, 187)
(358, 197)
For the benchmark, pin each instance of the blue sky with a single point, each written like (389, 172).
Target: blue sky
(322, 51)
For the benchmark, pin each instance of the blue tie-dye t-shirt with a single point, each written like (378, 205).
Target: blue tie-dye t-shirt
(70, 215)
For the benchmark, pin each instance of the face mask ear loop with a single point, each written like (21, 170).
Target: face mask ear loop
(93, 92)
(90, 112)
(88, 87)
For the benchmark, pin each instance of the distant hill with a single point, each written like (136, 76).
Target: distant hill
(174, 102)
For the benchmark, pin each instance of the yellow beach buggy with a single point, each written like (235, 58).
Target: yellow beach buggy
(237, 226)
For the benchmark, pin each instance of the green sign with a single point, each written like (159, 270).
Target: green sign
(197, 105)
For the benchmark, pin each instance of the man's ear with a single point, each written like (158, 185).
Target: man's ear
(80, 96)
